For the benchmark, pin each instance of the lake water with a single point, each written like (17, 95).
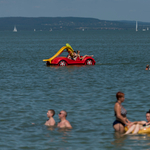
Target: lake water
(28, 88)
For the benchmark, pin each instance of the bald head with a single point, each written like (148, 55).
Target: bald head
(64, 112)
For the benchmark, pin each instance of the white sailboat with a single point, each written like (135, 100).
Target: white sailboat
(136, 26)
(15, 29)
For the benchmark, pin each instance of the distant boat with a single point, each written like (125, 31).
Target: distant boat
(136, 26)
(82, 29)
(147, 28)
(15, 29)
(34, 30)
(51, 30)
(144, 30)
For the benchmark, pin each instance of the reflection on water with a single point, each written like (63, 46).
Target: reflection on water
(119, 140)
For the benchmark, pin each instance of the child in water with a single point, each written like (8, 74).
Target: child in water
(50, 121)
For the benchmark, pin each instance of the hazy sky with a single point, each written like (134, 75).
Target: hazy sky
(102, 9)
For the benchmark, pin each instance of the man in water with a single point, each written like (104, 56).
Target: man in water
(51, 121)
(63, 122)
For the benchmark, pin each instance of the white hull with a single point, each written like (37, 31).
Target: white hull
(15, 29)
(136, 26)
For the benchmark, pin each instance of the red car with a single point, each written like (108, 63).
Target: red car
(61, 58)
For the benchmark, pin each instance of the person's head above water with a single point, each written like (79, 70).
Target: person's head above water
(62, 114)
(147, 66)
(119, 95)
(50, 113)
(148, 116)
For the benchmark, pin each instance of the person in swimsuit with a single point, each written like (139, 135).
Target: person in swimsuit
(81, 58)
(139, 124)
(120, 113)
(75, 55)
(147, 67)
(63, 122)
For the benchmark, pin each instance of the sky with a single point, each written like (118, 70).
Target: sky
(132, 10)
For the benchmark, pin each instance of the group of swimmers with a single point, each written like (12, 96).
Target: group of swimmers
(122, 120)
(64, 123)
(74, 55)
(119, 124)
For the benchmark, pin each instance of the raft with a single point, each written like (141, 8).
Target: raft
(144, 130)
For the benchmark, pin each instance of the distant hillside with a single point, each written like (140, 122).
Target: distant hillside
(65, 23)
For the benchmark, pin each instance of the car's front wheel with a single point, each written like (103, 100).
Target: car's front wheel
(89, 62)
(62, 63)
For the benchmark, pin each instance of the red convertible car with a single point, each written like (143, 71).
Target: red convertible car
(61, 58)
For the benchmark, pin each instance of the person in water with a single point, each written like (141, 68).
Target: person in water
(81, 58)
(139, 124)
(63, 122)
(120, 113)
(50, 121)
(147, 67)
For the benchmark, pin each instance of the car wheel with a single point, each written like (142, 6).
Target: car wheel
(47, 63)
(62, 63)
(89, 62)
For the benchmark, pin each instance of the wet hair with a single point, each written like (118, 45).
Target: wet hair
(53, 112)
(148, 112)
(119, 95)
(147, 66)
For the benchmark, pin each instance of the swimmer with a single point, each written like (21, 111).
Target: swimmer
(147, 67)
(120, 114)
(50, 121)
(63, 122)
(139, 124)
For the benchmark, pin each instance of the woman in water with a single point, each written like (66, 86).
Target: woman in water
(120, 113)
(139, 124)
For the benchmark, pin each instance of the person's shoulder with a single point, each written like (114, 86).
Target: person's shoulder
(117, 104)
(67, 124)
(67, 121)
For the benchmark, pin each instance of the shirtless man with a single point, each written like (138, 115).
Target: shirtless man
(51, 121)
(63, 122)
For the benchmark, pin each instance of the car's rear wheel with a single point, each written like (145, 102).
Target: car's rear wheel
(62, 63)
(47, 63)
(89, 62)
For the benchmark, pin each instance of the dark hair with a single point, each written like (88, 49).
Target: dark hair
(148, 112)
(147, 66)
(119, 95)
(53, 112)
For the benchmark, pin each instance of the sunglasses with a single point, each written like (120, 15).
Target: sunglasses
(60, 113)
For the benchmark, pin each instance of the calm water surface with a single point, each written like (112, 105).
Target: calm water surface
(28, 88)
